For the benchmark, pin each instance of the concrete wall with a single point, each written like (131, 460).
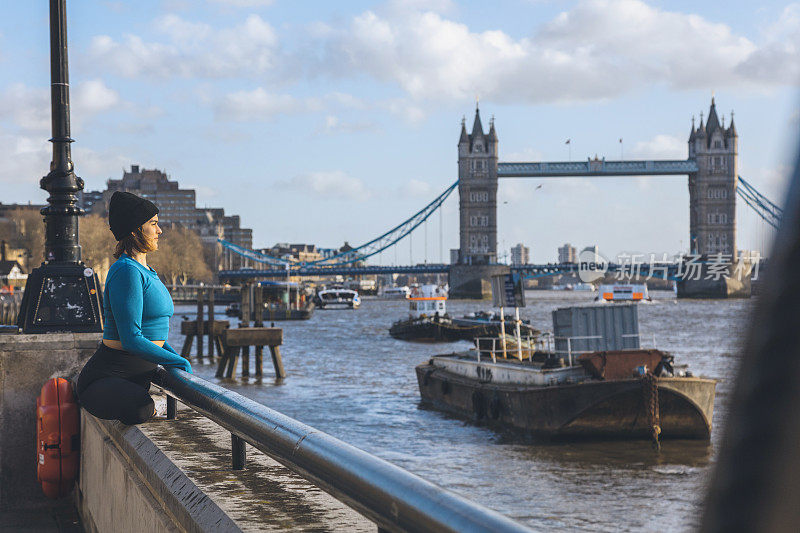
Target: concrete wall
(26, 362)
(128, 484)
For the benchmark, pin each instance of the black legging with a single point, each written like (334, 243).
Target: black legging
(114, 385)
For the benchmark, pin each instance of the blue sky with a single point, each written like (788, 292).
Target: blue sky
(330, 121)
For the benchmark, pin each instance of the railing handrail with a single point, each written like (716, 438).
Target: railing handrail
(393, 498)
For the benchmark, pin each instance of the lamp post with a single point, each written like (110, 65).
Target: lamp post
(62, 294)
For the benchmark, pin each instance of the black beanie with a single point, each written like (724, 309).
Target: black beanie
(126, 212)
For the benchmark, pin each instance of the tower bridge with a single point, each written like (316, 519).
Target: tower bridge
(713, 182)
(711, 167)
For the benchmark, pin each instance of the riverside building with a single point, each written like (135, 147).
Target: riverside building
(178, 206)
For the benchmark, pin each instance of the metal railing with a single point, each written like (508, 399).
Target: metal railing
(393, 498)
(569, 351)
(495, 347)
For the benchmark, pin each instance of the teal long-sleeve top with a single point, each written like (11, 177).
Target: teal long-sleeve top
(137, 311)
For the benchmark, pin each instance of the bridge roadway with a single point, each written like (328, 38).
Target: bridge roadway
(596, 167)
(533, 270)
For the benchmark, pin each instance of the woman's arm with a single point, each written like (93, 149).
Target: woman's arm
(126, 295)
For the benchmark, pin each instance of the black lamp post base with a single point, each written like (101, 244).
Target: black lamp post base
(61, 297)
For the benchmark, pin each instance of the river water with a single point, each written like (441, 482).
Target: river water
(349, 378)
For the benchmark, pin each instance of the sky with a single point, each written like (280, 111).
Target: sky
(322, 122)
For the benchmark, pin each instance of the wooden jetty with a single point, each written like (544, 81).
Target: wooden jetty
(232, 343)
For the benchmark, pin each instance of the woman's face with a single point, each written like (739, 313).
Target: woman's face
(151, 231)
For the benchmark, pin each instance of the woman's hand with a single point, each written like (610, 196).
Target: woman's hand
(187, 366)
(184, 365)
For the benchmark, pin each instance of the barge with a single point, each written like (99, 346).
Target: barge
(428, 320)
(567, 402)
(596, 383)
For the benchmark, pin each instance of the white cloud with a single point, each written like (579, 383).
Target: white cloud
(526, 154)
(332, 184)
(660, 147)
(94, 96)
(95, 166)
(260, 104)
(28, 108)
(417, 189)
(191, 50)
(333, 125)
(776, 61)
(597, 49)
(26, 159)
(245, 3)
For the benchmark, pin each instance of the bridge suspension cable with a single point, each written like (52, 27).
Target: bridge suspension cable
(359, 253)
(764, 208)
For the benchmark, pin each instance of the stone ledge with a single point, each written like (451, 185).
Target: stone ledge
(48, 341)
(153, 493)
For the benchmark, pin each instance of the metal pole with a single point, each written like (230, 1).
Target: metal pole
(238, 452)
(503, 331)
(62, 294)
(519, 337)
(61, 215)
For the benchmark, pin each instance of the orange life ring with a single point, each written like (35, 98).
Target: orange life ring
(57, 438)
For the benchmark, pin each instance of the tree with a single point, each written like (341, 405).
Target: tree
(180, 256)
(25, 229)
(97, 243)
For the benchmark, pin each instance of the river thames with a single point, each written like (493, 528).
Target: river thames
(349, 378)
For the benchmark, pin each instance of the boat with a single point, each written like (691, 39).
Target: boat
(490, 321)
(394, 293)
(333, 298)
(281, 300)
(542, 387)
(428, 320)
(623, 292)
(584, 287)
(602, 395)
(363, 286)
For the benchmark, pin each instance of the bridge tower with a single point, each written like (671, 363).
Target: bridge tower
(712, 190)
(471, 276)
(477, 191)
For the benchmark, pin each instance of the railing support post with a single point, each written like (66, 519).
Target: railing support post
(172, 407)
(238, 452)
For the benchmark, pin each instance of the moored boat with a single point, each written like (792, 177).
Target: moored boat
(545, 397)
(590, 379)
(489, 324)
(337, 298)
(394, 293)
(623, 292)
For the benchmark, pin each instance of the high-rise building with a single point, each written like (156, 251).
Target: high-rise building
(520, 254)
(567, 254)
(594, 250)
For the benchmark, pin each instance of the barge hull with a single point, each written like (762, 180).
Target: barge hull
(592, 409)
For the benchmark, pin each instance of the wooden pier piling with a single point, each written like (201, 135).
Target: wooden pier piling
(237, 340)
(192, 330)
